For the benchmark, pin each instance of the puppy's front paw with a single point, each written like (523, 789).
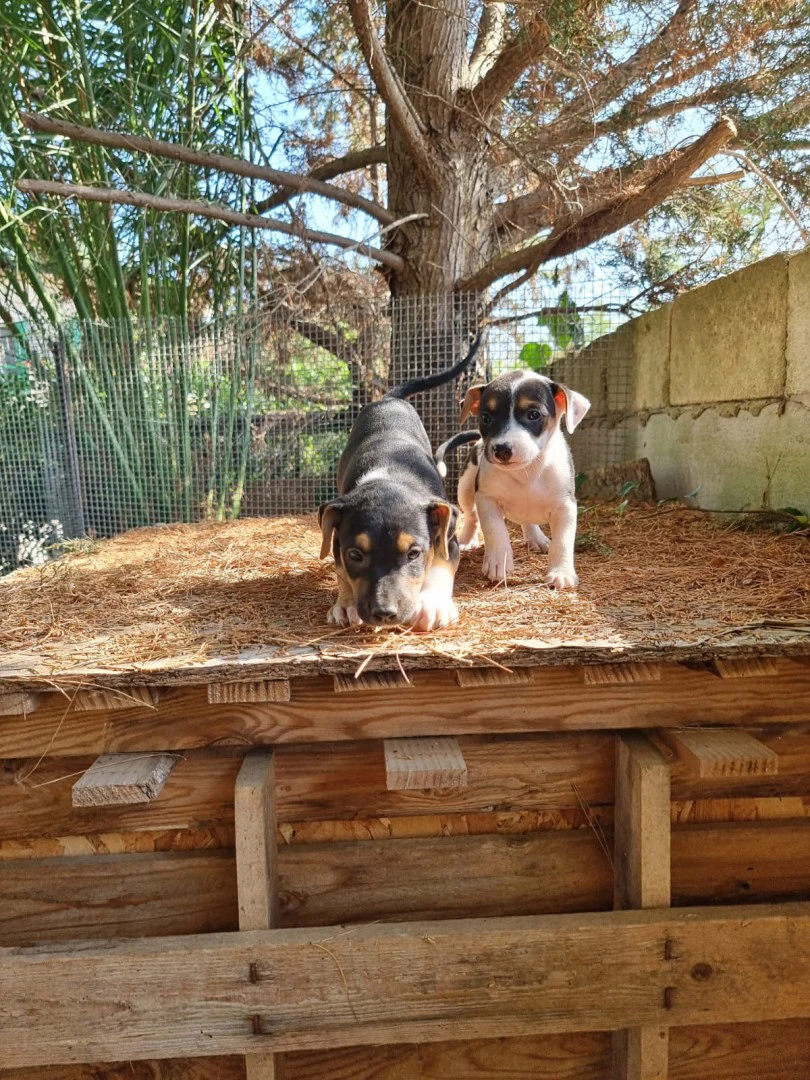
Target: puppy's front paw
(469, 545)
(436, 609)
(562, 578)
(498, 564)
(343, 616)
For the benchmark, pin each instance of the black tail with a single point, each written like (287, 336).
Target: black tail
(461, 439)
(428, 382)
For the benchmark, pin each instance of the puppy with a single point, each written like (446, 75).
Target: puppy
(520, 469)
(391, 530)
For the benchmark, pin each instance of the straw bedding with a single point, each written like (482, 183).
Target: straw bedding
(187, 593)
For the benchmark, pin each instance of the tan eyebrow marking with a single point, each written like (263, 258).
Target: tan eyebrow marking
(363, 542)
(525, 401)
(404, 541)
(492, 404)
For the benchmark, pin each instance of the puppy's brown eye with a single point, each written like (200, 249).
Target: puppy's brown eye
(485, 418)
(354, 555)
(414, 554)
(533, 414)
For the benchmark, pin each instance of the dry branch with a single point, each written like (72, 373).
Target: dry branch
(209, 210)
(351, 162)
(222, 162)
(523, 49)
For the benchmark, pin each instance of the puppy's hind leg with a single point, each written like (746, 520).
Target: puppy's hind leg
(536, 539)
(468, 537)
(343, 612)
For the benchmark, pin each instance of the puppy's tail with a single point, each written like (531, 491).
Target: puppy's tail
(428, 382)
(461, 439)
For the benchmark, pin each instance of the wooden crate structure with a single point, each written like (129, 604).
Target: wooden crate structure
(564, 870)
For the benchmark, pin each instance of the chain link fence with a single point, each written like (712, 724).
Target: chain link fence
(104, 428)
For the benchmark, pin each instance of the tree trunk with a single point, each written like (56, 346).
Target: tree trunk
(432, 326)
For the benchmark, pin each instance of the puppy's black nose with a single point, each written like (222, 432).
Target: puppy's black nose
(384, 614)
(502, 451)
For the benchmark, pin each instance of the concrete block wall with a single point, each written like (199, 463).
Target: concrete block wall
(713, 388)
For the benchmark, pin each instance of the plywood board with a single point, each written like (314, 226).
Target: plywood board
(417, 764)
(123, 779)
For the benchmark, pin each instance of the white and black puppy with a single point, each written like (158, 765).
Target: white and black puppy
(521, 470)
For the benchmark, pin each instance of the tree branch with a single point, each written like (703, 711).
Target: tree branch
(400, 108)
(223, 163)
(518, 54)
(579, 230)
(791, 213)
(488, 40)
(351, 162)
(208, 210)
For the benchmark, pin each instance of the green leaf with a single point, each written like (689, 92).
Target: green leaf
(536, 355)
(579, 480)
(564, 325)
(627, 487)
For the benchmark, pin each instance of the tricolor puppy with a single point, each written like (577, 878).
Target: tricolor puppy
(392, 530)
(520, 469)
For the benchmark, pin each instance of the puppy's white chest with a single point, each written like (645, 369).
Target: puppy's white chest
(524, 499)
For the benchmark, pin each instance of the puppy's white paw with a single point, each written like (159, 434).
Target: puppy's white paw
(498, 564)
(343, 616)
(468, 537)
(469, 545)
(436, 609)
(561, 578)
(536, 539)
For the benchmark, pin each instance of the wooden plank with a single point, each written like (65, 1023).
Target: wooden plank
(752, 667)
(722, 753)
(18, 703)
(418, 764)
(257, 867)
(263, 690)
(642, 880)
(609, 674)
(130, 697)
(117, 895)
(414, 982)
(493, 676)
(777, 1050)
(123, 779)
(372, 680)
(557, 700)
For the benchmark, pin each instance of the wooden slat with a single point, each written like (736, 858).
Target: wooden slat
(642, 880)
(754, 667)
(609, 674)
(371, 680)
(722, 753)
(123, 779)
(442, 878)
(15, 704)
(264, 690)
(257, 868)
(558, 701)
(131, 697)
(492, 676)
(417, 764)
(777, 1050)
(414, 982)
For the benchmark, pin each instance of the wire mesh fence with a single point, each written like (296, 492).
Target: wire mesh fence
(104, 428)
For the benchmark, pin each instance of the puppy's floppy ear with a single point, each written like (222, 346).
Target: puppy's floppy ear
(574, 405)
(442, 520)
(472, 401)
(328, 519)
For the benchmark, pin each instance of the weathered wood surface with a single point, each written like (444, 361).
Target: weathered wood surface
(130, 697)
(747, 668)
(556, 700)
(257, 867)
(621, 673)
(419, 764)
(493, 676)
(327, 783)
(373, 680)
(717, 753)
(123, 779)
(441, 878)
(641, 879)
(417, 982)
(773, 1050)
(264, 690)
(17, 702)
(28, 671)
(776, 1050)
